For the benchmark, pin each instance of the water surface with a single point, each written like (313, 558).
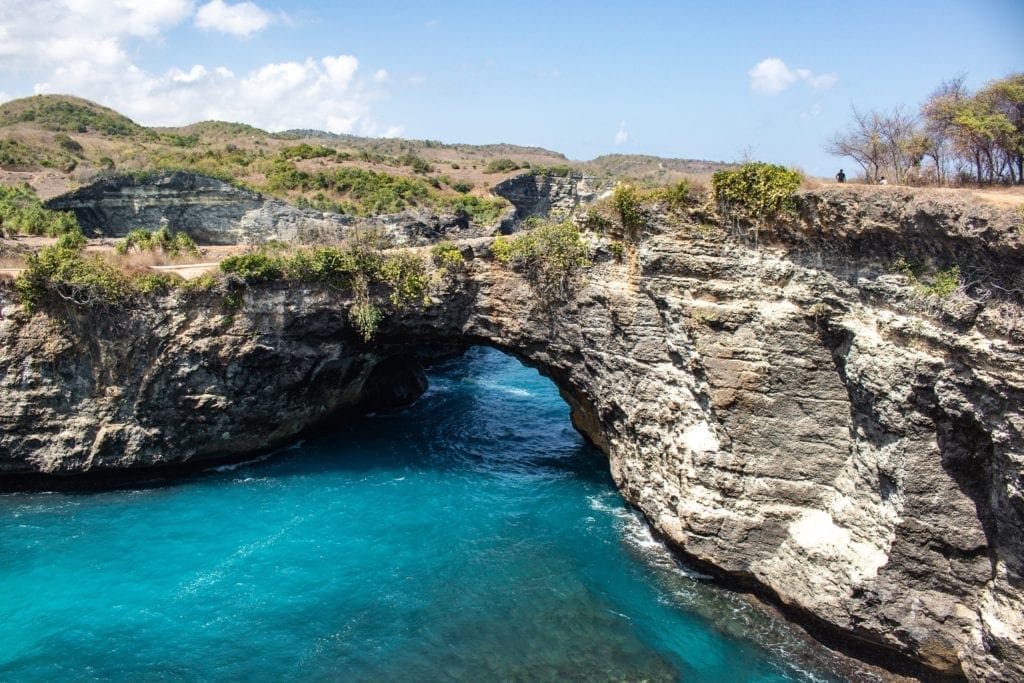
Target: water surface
(472, 536)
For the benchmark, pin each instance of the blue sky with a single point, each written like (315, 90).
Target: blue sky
(738, 79)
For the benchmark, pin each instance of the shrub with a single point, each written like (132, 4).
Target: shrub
(304, 151)
(678, 195)
(551, 256)
(170, 243)
(67, 143)
(448, 256)
(257, 266)
(406, 275)
(943, 283)
(500, 166)
(626, 202)
(22, 212)
(476, 209)
(618, 250)
(366, 317)
(462, 186)
(63, 269)
(417, 164)
(761, 191)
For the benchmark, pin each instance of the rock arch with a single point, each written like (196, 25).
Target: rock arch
(785, 417)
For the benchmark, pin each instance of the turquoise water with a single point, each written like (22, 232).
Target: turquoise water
(472, 536)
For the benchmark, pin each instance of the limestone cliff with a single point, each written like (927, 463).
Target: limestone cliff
(215, 212)
(799, 416)
(544, 195)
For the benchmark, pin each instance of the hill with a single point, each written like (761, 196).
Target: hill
(57, 143)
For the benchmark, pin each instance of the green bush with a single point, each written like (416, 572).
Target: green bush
(943, 283)
(551, 256)
(170, 243)
(476, 209)
(417, 164)
(462, 186)
(406, 275)
(626, 200)
(67, 143)
(447, 255)
(677, 196)
(500, 166)
(366, 317)
(257, 266)
(21, 212)
(304, 151)
(618, 250)
(65, 270)
(558, 171)
(758, 191)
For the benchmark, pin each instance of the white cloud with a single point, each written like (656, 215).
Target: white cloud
(621, 136)
(771, 76)
(813, 113)
(380, 76)
(240, 19)
(88, 48)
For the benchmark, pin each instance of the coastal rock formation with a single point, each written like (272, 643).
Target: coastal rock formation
(215, 212)
(545, 195)
(802, 416)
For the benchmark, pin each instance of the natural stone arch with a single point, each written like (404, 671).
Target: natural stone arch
(784, 416)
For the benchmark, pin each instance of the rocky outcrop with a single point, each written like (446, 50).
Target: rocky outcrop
(800, 417)
(544, 195)
(215, 212)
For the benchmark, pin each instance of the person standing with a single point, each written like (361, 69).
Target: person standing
(841, 177)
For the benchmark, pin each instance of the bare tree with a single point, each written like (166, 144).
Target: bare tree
(863, 141)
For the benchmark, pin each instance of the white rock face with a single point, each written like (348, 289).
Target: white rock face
(797, 417)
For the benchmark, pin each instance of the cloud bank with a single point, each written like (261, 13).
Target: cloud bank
(771, 76)
(88, 47)
(241, 19)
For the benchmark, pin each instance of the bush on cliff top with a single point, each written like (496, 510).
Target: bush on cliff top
(353, 270)
(551, 256)
(21, 212)
(756, 191)
(64, 270)
(163, 240)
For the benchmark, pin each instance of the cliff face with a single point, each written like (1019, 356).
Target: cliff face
(543, 195)
(216, 212)
(799, 416)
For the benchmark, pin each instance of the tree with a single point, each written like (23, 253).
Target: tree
(863, 142)
(985, 129)
(881, 141)
(937, 112)
(1005, 98)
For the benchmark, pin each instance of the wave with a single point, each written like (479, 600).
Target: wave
(636, 533)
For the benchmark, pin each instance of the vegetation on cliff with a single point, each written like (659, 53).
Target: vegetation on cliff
(162, 240)
(64, 270)
(757, 192)
(551, 256)
(365, 274)
(957, 136)
(21, 213)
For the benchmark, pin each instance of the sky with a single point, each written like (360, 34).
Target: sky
(724, 81)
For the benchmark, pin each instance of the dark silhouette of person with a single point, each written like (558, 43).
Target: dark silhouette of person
(841, 177)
